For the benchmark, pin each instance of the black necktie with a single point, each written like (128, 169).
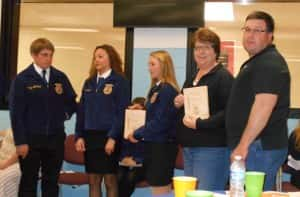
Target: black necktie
(44, 76)
(152, 90)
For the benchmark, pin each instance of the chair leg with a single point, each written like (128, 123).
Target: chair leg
(60, 190)
(279, 180)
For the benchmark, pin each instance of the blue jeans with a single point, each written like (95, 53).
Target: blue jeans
(268, 161)
(209, 164)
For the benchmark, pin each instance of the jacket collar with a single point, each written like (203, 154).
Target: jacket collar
(109, 79)
(32, 72)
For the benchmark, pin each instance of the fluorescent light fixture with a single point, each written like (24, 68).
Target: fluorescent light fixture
(215, 11)
(212, 28)
(245, 2)
(293, 60)
(63, 29)
(69, 47)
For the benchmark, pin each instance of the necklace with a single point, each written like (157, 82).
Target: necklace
(195, 82)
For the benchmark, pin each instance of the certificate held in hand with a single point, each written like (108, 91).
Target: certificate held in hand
(133, 120)
(196, 102)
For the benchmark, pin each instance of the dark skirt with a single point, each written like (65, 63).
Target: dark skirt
(96, 159)
(160, 162)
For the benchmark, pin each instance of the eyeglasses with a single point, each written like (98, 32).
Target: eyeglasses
(255, 31)
(202, 48)
(46, 54)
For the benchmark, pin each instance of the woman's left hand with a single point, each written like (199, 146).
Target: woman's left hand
(189, 121)
(179, 101)
(110, 146)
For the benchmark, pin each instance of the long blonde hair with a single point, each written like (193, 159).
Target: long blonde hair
(167, 68)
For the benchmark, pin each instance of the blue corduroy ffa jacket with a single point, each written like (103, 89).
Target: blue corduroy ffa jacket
(103, 108)
(37, 108)
(161, 115)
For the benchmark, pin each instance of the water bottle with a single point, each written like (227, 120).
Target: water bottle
(237, 177)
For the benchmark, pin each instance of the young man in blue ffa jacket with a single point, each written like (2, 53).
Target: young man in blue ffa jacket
(42, 98)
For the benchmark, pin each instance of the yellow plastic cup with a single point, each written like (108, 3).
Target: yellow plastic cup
(182, 184)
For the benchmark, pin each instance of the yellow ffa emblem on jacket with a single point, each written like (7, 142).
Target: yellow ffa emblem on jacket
(153, 97)
(58, 88)
(108, 89)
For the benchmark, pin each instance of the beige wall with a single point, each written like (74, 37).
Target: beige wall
(73, 49)
(75, 62)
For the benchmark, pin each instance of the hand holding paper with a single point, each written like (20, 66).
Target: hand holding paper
(133, 120)
(196, 102)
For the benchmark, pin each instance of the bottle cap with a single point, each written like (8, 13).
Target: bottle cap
(238, 157)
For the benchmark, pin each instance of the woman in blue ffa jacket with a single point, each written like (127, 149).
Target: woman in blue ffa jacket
(158, 133)
(105, 96)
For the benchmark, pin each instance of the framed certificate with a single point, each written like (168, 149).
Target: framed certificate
(133, 120)
(196, 102)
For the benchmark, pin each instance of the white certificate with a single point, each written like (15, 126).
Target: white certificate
(133, 120)
(196, 102)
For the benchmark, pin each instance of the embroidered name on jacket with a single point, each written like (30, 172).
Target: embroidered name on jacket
(34, 87)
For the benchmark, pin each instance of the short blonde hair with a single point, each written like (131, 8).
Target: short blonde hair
(40, 44)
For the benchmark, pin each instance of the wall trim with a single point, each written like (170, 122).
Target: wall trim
(128, 62)
(9, 43)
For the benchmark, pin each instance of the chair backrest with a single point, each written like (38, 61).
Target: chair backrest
(71, 155)
(179, 159)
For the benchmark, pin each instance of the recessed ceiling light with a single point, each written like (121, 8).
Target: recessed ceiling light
(69, 47)
(215, 11)
(245, 2)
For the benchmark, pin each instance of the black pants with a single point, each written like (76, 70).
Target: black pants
(45, 153)
(127, 178)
